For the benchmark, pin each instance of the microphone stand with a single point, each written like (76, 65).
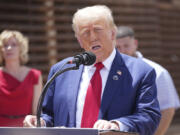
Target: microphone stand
(39, 107)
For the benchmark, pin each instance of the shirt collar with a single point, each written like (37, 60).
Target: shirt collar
(139, 54)
(107, 63)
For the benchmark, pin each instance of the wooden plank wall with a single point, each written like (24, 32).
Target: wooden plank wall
(29, 18)
(169, 23)
(170, 39)
(47, 23)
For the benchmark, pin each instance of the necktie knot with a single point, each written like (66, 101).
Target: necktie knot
(99, 66)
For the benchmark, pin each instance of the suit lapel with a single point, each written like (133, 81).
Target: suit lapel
(114, 82)
(73, 93)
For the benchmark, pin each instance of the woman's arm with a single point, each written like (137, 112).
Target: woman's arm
(36, 95)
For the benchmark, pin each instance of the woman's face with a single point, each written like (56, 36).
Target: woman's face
(11, 50)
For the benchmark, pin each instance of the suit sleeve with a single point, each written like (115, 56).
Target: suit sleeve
(145, 119)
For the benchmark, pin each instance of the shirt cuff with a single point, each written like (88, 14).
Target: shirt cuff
(122, 126)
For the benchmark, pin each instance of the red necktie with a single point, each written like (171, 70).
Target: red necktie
(93, 99)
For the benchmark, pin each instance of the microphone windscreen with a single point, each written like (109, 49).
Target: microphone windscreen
(89, 58)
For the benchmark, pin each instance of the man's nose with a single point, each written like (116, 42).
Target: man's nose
(92, 35)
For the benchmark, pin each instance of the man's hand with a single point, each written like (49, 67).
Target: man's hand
(104, 124)
(31, 121)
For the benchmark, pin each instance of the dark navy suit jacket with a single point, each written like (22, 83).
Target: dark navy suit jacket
(129, 96)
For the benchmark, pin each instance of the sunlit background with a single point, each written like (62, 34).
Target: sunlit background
(47, 23)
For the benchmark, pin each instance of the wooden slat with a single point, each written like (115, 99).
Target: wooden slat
(23, 7)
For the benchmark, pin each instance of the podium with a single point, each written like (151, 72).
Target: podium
(59, 131)
(115, 132)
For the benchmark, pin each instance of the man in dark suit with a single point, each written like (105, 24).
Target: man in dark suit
(128, 96)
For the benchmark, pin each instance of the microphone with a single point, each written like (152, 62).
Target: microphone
(86, 58)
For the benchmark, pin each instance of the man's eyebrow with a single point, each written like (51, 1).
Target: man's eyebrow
(97, 26)
(83, 30)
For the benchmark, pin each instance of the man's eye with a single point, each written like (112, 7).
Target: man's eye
(98, 29)
(85, 33)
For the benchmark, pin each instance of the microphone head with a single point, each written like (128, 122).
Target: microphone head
(86, 58)
(89, 58)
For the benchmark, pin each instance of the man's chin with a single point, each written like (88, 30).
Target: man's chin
(99, 58)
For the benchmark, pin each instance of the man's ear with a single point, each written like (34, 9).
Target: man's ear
(113, 34)
(136, 42)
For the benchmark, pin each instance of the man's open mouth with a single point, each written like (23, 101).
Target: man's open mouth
(96, 47)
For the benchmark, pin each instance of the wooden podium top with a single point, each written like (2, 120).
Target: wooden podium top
(115, 132)
(59, 131)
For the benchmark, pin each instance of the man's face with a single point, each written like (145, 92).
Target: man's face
(127, 45)
(97, 37)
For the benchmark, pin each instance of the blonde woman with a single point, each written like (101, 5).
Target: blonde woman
(20, 86)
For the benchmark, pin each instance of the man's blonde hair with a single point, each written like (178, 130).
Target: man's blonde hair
(92, 13)
(22, 41)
